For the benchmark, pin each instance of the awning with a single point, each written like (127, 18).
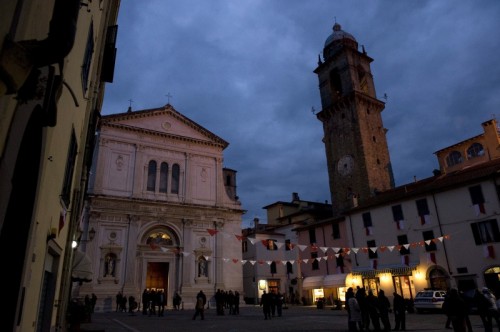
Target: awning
(394, 269)
(334, 280)
(82, 267)
(312, 282)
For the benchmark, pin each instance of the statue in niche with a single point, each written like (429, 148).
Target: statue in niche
(202, 267)
(109, 266)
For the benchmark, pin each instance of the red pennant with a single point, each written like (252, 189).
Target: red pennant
(382, 248)
(239, 237)
(235, 260)
(212, 232)
(264, 243)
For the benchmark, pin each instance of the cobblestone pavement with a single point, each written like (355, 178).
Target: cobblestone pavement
(251, 318)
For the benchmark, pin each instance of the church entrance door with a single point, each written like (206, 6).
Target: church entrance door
(157, 276)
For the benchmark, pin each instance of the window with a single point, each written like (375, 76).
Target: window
(315, 261)
(486, 231)
(367, 223)
(454, 158)
(476, 195)
(288, 245)
(397, 216)
(68, 173)
(312, 235)
(397, 213)
(335, 230)
(423, 210)
(244, 246)
(289, 268)
(335, 83)
(159, 238)
(175, 179)
(475, 150)
(228, 180)
(87, 58)
(273, 268)
(151, 176)
(271, 245)
(163, 177)
(402, 240)
(109, 57)
(340, 259)
(429, 235)
(370, 244)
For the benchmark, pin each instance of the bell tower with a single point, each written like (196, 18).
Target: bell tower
(354, 136)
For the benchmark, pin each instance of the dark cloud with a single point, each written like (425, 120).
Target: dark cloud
(244, 70)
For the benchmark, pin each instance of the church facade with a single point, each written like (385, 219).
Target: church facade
(162, 210)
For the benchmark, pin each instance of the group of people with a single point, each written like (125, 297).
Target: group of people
(153, 300)
(90, 302)
(365, 310)
(272, 304)
(227, 300)
(121, 303)
(457, 309)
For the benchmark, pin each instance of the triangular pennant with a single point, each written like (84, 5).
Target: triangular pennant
(284, 262)
(235, 260)
(440, 239)
(391, 248)
(164, 249)
(336, 249)
(323, 249)
(302, 247)
(305, 260)
(239, 237)
(253, 262)
(243, 261)
(355, 250)
(337, 255)
(269, 262)
(211, 231)
(292, 261)
(374, 249)
(225, 260)
(185, 253)
(265, 243)
(382, 248)
(252, 240)
(406, 246)
(427, 242)
(279, 244)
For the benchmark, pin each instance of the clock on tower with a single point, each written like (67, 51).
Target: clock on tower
(354, 136)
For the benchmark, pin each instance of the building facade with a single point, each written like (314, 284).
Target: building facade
(55, 59)
(163, 208)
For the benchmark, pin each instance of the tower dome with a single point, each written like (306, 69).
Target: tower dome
(338, 34)
(337, 40)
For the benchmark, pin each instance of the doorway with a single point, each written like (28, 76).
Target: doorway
(157, 276)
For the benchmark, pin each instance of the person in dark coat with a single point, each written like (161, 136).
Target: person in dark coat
(265, 303)
(361, 298)
(456, 308)
(384, 309)
(373, 310)
(201, 300)
(399, 307)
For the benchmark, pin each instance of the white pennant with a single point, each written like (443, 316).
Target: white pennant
(185, 253)
(374, 249)
(292, 261)
(391, 248)
(305, 260)
(302, 247)
(337, 255)
(324, 249)
(279, 244)
(355, 250)
(284, 262)
(252, 241)
(164, 249)
(336, 249)
(440, 238)
(243, 261)
(428, 242)
(252, 262)
(225, 260)
(406, 246)
(269, 262)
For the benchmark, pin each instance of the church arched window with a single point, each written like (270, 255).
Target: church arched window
(475, 150)
(159, 238)
(454, 158)
(163, 177)
(151, 176)
(175, 179)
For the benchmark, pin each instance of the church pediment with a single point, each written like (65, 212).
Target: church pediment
(165, 120)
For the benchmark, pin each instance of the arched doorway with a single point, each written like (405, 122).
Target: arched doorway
(438, 279)
(492, 279)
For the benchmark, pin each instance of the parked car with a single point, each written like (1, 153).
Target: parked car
(429, 300)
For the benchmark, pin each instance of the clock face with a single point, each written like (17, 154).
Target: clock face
(345, 165)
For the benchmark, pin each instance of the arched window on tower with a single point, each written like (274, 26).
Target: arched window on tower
(175, 179)
(475, 150)
(151, 176)
(335, 83)
(454, 158)
(163, 177)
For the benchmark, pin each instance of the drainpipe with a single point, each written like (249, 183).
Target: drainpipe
(441, 230)
(353, 243)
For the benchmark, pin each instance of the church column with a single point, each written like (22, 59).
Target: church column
(219, 246)
(187, 266)
(219, 182)
(129, 286)
(186, 178)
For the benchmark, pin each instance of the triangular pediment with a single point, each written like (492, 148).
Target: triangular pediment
(163, 121)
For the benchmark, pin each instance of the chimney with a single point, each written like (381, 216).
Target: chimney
(295, 197)
(255, 223)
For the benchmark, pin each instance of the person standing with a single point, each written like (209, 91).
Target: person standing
(398, 304)
(145, 301)
(384, 308)
(354, 311)
(456, 308)
(236, 303)
(93, 301)
(119, 297)
(265, 303)
(363, 305)
(373, 310)
(201, 300)
(279, 304)
(161, 302)
(177, 301)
